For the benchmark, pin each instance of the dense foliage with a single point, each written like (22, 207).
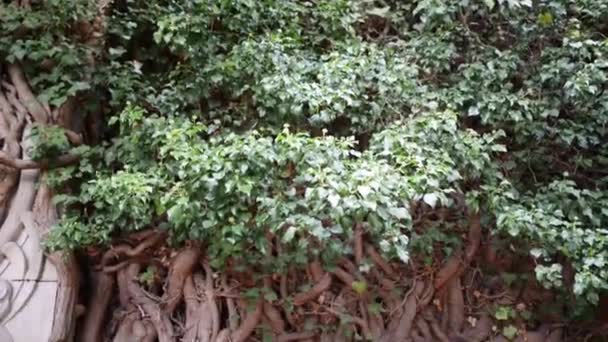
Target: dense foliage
(229, 189)
(310, 119)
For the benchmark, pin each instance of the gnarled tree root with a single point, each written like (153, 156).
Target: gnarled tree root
(181, 268)
(103, 286)
(136, 295)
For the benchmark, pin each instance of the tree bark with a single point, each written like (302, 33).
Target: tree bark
(23, 191)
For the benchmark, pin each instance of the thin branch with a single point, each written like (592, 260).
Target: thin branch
(45, 164)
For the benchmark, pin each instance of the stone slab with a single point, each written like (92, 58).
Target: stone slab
(34, 322)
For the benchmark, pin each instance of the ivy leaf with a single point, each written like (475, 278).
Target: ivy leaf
(360, 287)
(403, 254)
(400, 213)
(536, 252)
(473, 111)
(545, 19)
(289, 234)
(333, 199)
(503, 313)
(510, 332)
(78, 86)
(430, 199)
(364, 190)
(117, 51)
(380, 11)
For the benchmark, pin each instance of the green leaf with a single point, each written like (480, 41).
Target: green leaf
(430, 199)
(334, 200)
(364, 190)
(545, 19)
(510, 332)
(360, 287)
(289, 234)
(380, 11)
(400, 213)
(503, 313)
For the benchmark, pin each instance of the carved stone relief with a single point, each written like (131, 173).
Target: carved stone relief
(28, 287)
(28, 281)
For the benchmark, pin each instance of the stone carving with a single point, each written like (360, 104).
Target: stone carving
(38, 293)
(28, 281)
(28, 287)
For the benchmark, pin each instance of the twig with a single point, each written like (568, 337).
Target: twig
(45, 164)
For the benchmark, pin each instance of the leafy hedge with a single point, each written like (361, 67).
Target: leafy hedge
(230, 189)
(501, 102)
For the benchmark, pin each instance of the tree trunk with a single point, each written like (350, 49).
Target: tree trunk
(25, 197)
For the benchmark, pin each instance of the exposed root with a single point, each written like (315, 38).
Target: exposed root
(316, 271)
(358, 244)
(181, 268)
(380, 262)
(555, 336)
(67, 296)
(129, 252)
(400, 328)
(481, 331)
(34, 107)
(455, 306)
(273, 315)
(455, 265)
(344, 276)
(450, 269)
(45, 164)
(438, 332)
(376, 324)
(474, 237)
(297, 336)
(133, 329)
(160, 320)
(103, 285)
(249, 323)
(211, 300)
(22, 201)
(533, 336)
(199, 317)
(424, 329)
(436, 307)
(233, 316)
(312, 294)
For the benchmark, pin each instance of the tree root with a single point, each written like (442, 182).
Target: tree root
(296, 336)
(380, 262)
(160, 320)
(455, 306)
(133, 329)
(474, 237)
(248, 325)
(312, 294)
(215, 310)
(346, 278)
(450, 269)
(480, 332)
(273, 315)
(103, 285)
(199, 316)
(124, 249)
(424, 329)
(400, 328)
(38, 112)
(358, 244)
(181, 268)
